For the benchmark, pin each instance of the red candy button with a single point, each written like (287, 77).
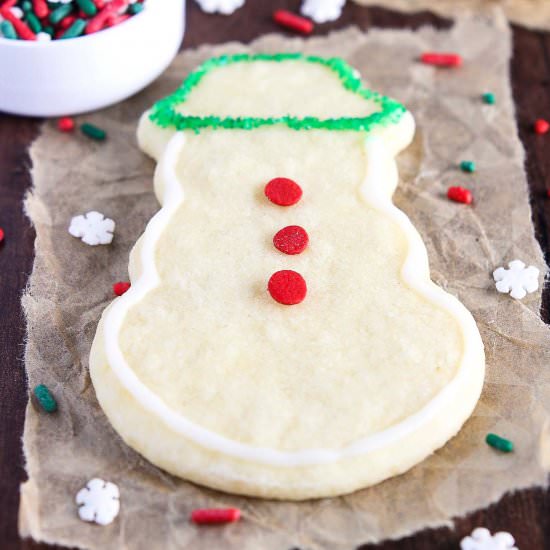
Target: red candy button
(292, 239)
(283, 191)
(287, 287)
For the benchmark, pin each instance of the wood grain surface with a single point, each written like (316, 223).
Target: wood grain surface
(526, 514)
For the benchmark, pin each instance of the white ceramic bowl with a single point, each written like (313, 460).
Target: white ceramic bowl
(76, 75)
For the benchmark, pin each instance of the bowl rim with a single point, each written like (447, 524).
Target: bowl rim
(135, 19)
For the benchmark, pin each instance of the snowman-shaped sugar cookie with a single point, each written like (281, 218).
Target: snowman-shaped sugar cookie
(282, 337)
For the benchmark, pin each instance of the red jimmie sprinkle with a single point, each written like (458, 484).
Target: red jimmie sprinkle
(459, 194)
(293, 22)
(287, 287)
(541, 126)
(100, 20)
(213, 516)
(1, 234)
(40, 8)
(66, 22)
(283, 191)
(292, 239)
(22, 29)
(114, 20)
(121, 287)
(441, 59)
(65, 124)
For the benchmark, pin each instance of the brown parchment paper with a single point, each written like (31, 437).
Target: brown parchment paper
(529, 13)
(71, 285)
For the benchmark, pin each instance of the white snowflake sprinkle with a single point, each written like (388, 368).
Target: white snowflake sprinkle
(93, 228)
(225, 7)
(98, 501)
(17, 12)
(322, 11)
(43, 37)
(481, 539)
(518, 280)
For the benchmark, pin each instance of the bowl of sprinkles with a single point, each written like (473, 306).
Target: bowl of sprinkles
(63, 57)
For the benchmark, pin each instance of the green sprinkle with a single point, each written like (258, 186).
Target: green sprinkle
(137, 7)
(49, 30)
(489, 98)
(468, 166)
(26, 6)
(164, 114)
(87, 6)
(60, 13)
(93, 131)
(34, 22)
(504, 445)
(76, 29)
(8, 30)
(45, 398)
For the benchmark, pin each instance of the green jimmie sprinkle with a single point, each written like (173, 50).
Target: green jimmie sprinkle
(8, 30)
(87, 6)
(93, 131)
(76, 29)
(497, 442)
(45, 398)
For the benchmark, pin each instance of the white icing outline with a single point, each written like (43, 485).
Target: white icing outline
(415, 273)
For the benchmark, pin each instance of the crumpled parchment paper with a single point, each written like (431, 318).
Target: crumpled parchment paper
(71, 285)
(529, 13)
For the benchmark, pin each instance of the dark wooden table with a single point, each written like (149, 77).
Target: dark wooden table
(526, 514)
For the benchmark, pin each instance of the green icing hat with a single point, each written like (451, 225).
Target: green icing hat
(165, 114)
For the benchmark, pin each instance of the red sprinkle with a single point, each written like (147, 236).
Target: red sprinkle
(283, 191)
(1, 234)
(292, 239)
(212, 516)
(100, 20)
(65, 124)
(22, 29)
(287, 287)
(114, 20)
(121, 287)
(460, 194)
(66, 22)
(293, 22)
(441, 59)
(40, 8)
(541, 126)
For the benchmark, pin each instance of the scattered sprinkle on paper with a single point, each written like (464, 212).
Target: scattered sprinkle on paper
(517, 280)
(481, 539)
(225, 7)
(98, 502)
(322, 11)
(92, 228)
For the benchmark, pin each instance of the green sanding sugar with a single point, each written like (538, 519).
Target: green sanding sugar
(504, 445)
(45, 398)
(164, 114)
